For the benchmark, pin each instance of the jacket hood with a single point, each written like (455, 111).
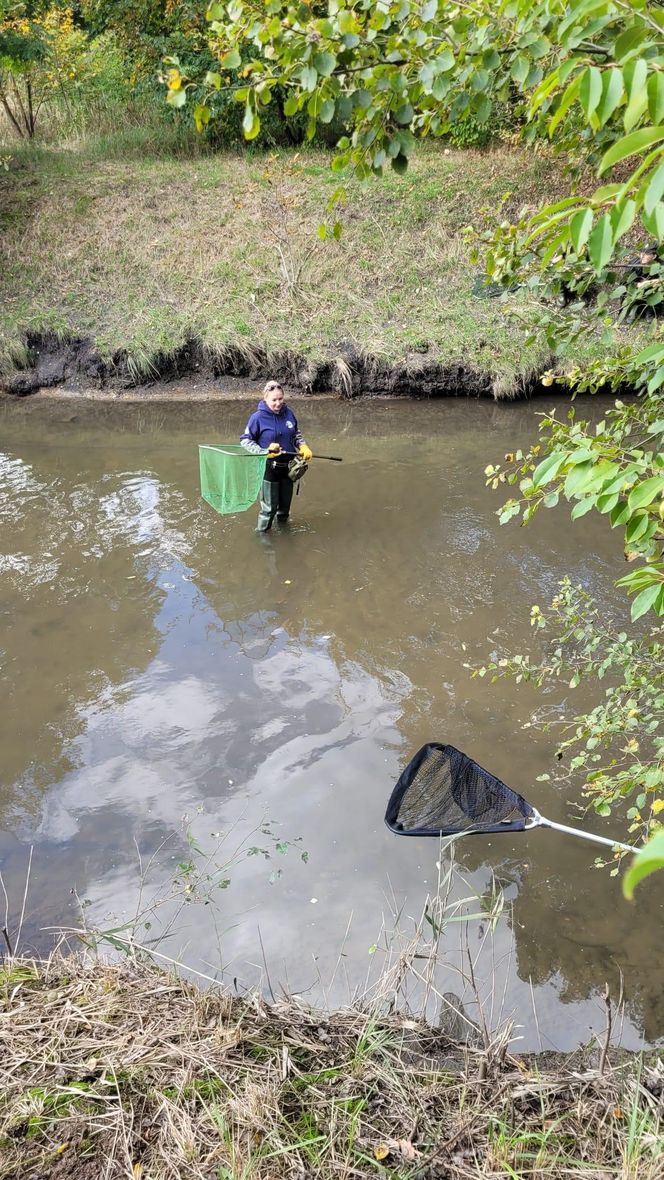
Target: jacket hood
(262, 405)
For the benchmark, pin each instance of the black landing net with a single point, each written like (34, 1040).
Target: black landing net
(443, 792)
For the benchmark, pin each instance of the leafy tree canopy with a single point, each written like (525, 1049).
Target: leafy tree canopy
(588, 73)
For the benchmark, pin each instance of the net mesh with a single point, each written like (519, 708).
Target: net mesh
(231, 478)
(444, 792)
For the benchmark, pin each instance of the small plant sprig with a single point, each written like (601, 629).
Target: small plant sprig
(614, 467)
(618, 746)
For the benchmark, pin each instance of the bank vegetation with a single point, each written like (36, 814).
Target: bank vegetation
(125, 259)
(120, 1070)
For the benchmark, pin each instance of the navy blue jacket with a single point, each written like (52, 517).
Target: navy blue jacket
(265, 427)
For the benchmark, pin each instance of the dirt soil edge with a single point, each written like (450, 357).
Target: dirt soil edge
(78, 363)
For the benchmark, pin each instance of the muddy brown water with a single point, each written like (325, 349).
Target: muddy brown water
(164, 670)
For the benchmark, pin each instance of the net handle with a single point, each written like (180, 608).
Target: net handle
(539, 821)
(257, 455)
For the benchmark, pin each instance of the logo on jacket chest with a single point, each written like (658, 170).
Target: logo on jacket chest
(290, 425)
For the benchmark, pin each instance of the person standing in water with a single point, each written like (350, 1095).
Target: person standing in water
(273, 430)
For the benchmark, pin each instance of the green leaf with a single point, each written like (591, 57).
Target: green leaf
(548, 469)
(577, 477)
(251, 123)
(622, 217)
(308, 78)
(590, 90)
(644, 601)
(212, 79)
(630, 145)
(619, 514)
(326, 113)
(628, 43)
(600, 243)
(654, 222)
(605, 193)
(648, 860)
(565, 103)
(404, 114)
(607, 501)
(656, 96)
(646, 575)
(612, 92)
(636, 527)
(322, 231)
(232, 60)
(651, 353)
(654, 190)
(444, 61)
(325, 64)
(482, 108)
(577, 13)
(635, 75)
(520, 69)
(644, 493)
(400, 164)
(580, 227)
(582, 507)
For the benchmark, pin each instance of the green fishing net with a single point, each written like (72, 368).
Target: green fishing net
(231, 478)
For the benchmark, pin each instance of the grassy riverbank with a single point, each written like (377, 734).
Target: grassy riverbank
(144, 251)
(120, 1071)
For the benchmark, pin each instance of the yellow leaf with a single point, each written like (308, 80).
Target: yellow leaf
(617, 1112)
(137, 1171)
(382, 1151)
(658, 806)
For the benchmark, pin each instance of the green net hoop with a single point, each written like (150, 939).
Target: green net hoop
(231, 478)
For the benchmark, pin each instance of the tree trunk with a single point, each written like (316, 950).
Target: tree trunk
(25, 122)
(30, 110)
(10, 115)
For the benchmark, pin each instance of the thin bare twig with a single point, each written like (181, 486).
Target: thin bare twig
(609, 1026)
(25, 898)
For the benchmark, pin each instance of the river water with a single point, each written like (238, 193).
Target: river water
(171, 681)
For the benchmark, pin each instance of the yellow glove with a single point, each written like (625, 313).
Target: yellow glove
(273, 450)
(306, 452)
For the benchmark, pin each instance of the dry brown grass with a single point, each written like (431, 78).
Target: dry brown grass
(143, 255)
(118, 1070)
